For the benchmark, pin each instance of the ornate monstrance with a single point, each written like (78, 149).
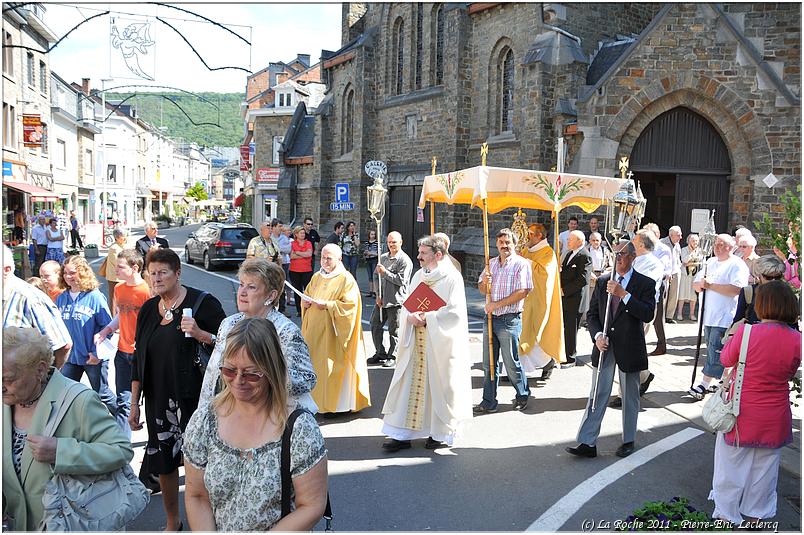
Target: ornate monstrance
(520, 228)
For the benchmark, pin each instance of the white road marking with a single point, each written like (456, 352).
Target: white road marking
(557, 515)
(202, 270)
(338, 468)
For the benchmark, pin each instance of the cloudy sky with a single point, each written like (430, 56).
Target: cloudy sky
(277, 32)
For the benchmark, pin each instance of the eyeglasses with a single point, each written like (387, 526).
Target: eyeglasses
(231, 374)
(743, 246)
(622, 253)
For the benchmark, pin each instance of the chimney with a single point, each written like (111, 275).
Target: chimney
(85, 85)
(303, 59)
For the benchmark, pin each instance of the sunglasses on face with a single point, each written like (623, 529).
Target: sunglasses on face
(231, 374)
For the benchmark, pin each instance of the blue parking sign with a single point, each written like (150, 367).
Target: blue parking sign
(342, 192)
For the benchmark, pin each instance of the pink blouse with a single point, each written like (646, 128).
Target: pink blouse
(774, 355)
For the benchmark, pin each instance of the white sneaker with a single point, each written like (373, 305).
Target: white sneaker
(698, 392)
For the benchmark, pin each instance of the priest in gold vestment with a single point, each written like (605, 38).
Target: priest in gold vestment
(542, 342)
(431, 390)
(331, 326)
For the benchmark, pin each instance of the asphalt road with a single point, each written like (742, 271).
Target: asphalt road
(508, 471)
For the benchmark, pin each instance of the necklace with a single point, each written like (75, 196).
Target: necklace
(34, 400)
(168, 311)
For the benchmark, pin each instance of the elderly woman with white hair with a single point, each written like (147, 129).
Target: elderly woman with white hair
(87, 440)
(746, 246)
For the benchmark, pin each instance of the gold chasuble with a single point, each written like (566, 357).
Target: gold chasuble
(542, 321)
(335, 338)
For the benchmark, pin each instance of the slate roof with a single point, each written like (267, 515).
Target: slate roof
(300, 135)
(605, 58)
(555, 48)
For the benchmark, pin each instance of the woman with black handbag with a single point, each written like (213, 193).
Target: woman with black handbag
(167, 371)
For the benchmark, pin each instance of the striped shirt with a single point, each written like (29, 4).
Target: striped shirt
(514, 275)
(25, 306)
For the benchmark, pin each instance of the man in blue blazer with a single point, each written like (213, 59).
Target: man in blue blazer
(633, 301)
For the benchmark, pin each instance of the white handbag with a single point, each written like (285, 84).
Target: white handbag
(102, 502)
(719, 413)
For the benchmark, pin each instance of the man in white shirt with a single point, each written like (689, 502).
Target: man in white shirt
(572, 224)
(665, 255)
(726, 275)
(39, 238)
(673, 241)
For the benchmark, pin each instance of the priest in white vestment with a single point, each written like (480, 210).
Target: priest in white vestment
(431, 391)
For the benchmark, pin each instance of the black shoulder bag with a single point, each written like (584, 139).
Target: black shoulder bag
(202, 355)
(284, 470)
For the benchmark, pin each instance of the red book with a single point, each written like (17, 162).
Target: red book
(423, 299)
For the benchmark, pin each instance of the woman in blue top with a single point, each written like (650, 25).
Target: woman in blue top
(85, 312)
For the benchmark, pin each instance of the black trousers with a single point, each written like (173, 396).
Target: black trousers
(300, 280)
(75, 237)
(572, 320)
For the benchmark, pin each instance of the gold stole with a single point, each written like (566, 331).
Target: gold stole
(415, 415)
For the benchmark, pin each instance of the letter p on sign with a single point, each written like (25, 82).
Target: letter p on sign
(342, 192)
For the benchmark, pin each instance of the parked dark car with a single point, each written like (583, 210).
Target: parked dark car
(219, 243)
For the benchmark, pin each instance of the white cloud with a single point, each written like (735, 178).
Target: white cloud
(277, 33)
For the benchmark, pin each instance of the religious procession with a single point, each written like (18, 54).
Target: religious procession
(222, 393)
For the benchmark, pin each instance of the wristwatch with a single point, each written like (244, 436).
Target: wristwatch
(212, 340)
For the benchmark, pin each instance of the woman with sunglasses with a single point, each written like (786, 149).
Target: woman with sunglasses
(233, 445)
(262, 285)
(165, 372)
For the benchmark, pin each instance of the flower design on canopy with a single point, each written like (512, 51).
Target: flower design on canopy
(450, 181)
(558, 191)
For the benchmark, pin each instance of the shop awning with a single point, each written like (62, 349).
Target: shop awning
(142, 191)
(37, 194)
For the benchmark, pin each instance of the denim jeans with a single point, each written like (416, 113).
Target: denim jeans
(122, 386)
(506, 330)
(350, 263)
(390, 315)
(713, 337)
(98, 375)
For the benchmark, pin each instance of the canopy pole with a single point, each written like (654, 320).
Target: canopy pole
(555, 237)
(432, 203)
(488, 286)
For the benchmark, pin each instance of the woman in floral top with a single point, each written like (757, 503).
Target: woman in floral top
(350, 245)
(233, 445)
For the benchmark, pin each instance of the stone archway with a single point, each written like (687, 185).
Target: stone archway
(731, 117)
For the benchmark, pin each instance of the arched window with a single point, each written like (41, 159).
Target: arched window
(505, 88)
(419, 38)
(398, 55)
(348, 122)
(437, 36)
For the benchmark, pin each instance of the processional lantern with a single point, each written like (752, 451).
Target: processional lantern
(376, 199)
(623, 208)
(706, 242)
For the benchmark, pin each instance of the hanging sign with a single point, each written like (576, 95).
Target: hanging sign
(33, 132)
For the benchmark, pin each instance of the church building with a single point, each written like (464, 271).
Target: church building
(703, 98)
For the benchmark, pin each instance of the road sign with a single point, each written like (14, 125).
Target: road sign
(341, 206)
(376, 168)
(342, 193)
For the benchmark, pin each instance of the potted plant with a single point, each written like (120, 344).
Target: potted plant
(675, 515)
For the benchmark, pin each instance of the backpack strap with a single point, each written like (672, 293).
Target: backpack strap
(284, 470)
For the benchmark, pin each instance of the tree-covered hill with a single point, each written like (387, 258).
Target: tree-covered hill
(179, 111)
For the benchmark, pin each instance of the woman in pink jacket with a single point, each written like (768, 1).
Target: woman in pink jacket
(747, 458)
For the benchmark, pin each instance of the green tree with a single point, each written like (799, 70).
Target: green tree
(197, 192)
(788, 238)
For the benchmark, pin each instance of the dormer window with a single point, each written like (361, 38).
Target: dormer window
(284, 100)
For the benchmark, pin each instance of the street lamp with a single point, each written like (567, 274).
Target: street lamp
(376, 205)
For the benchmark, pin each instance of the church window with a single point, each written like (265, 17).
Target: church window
(437, 61)
(506, 91)
(399, 55)
(348, 122)
(419, 37)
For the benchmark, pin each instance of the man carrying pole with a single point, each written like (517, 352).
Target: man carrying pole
(507, 281)
(633, 303)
